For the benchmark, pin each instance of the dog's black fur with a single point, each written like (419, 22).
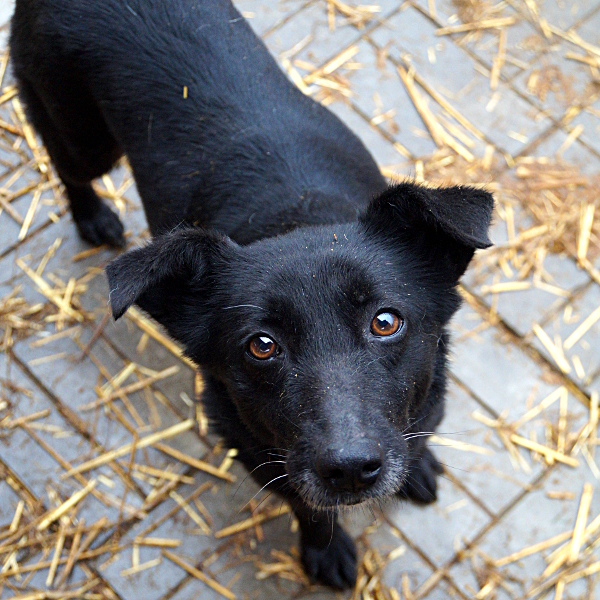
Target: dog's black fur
(297, 239)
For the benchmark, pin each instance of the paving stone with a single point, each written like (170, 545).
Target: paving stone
(481, 269)
(535, 519)
(38, 581)
(576, 154)
(553, 82)
(9, 500)
(439, 529)
(11, 229)
(6, 10)
(589, 118)
(384, 539)
(73, 382)
(595, 385)
(37, 468)
(501, 375)
(263, 17)
(311, 25)
(588, 346)
(252, 589)
(179, 388)
(587, 26)
(521, 309)
(65, 376)
(566, 14)
(523, 45)
(223, 503)
(382, 150)
(509, 124)
(491, 478)
(520, 45)
(386, 86)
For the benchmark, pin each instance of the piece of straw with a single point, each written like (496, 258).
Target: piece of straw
(252, 521)
(149, 440)
(484, 24)
(67, 505)
(194, 572)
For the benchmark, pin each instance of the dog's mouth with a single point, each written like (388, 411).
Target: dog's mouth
(323, 495)
(320, 498)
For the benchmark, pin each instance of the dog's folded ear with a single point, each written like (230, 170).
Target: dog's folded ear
(445, 225)
(168, 279)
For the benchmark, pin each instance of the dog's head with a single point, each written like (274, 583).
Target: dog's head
(325, 338)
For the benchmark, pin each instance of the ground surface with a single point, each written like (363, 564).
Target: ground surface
(511, 102)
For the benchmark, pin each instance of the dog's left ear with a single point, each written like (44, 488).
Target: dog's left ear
(444, 225)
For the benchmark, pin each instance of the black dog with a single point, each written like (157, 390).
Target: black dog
(314, 299)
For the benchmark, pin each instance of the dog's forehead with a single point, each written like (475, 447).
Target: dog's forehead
(317, 260)
(322, 280)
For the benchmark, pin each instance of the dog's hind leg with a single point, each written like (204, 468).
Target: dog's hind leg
(80, 151)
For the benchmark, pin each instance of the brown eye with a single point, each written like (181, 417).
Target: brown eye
(262, 347)
(385, 324)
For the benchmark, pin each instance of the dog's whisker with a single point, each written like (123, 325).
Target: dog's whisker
(242, 306)
(410, 425)
(264, 500)
(268, 462)
(261, 489)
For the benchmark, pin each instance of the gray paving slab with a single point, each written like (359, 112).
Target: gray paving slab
(9, 500)
(35, 461)
(522, 308)
(500, 374)
(387, 539)
(381, 90)
(509, 121)
(310, 26)
(223, 502)
(486, 470)
(483, 265)
(12, 229)
(587, 25)
(535, 519)
(576, 155)
(6, 10)
(28, 586)
(381, 148)
(589, 119)
(440, 529)
(587, 348)
(523, 45)
(565, 15)
(264, 17)
(73, 383)
(552, 81)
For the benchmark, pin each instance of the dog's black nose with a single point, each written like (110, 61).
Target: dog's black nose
(350, 468)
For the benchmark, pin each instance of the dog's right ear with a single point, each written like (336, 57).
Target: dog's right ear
(169, 279)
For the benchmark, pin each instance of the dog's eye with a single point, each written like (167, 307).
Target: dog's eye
(262, 347)
(385, 324)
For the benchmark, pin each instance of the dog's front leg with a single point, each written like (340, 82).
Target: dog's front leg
(420, 485)
(328, 552)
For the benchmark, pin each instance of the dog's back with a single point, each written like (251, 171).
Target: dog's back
(242, 150)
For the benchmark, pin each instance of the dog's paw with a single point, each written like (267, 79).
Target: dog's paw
(334, 565)
(421, 482)
(104, 227)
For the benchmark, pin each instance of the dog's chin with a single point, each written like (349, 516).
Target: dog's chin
(320, 498)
